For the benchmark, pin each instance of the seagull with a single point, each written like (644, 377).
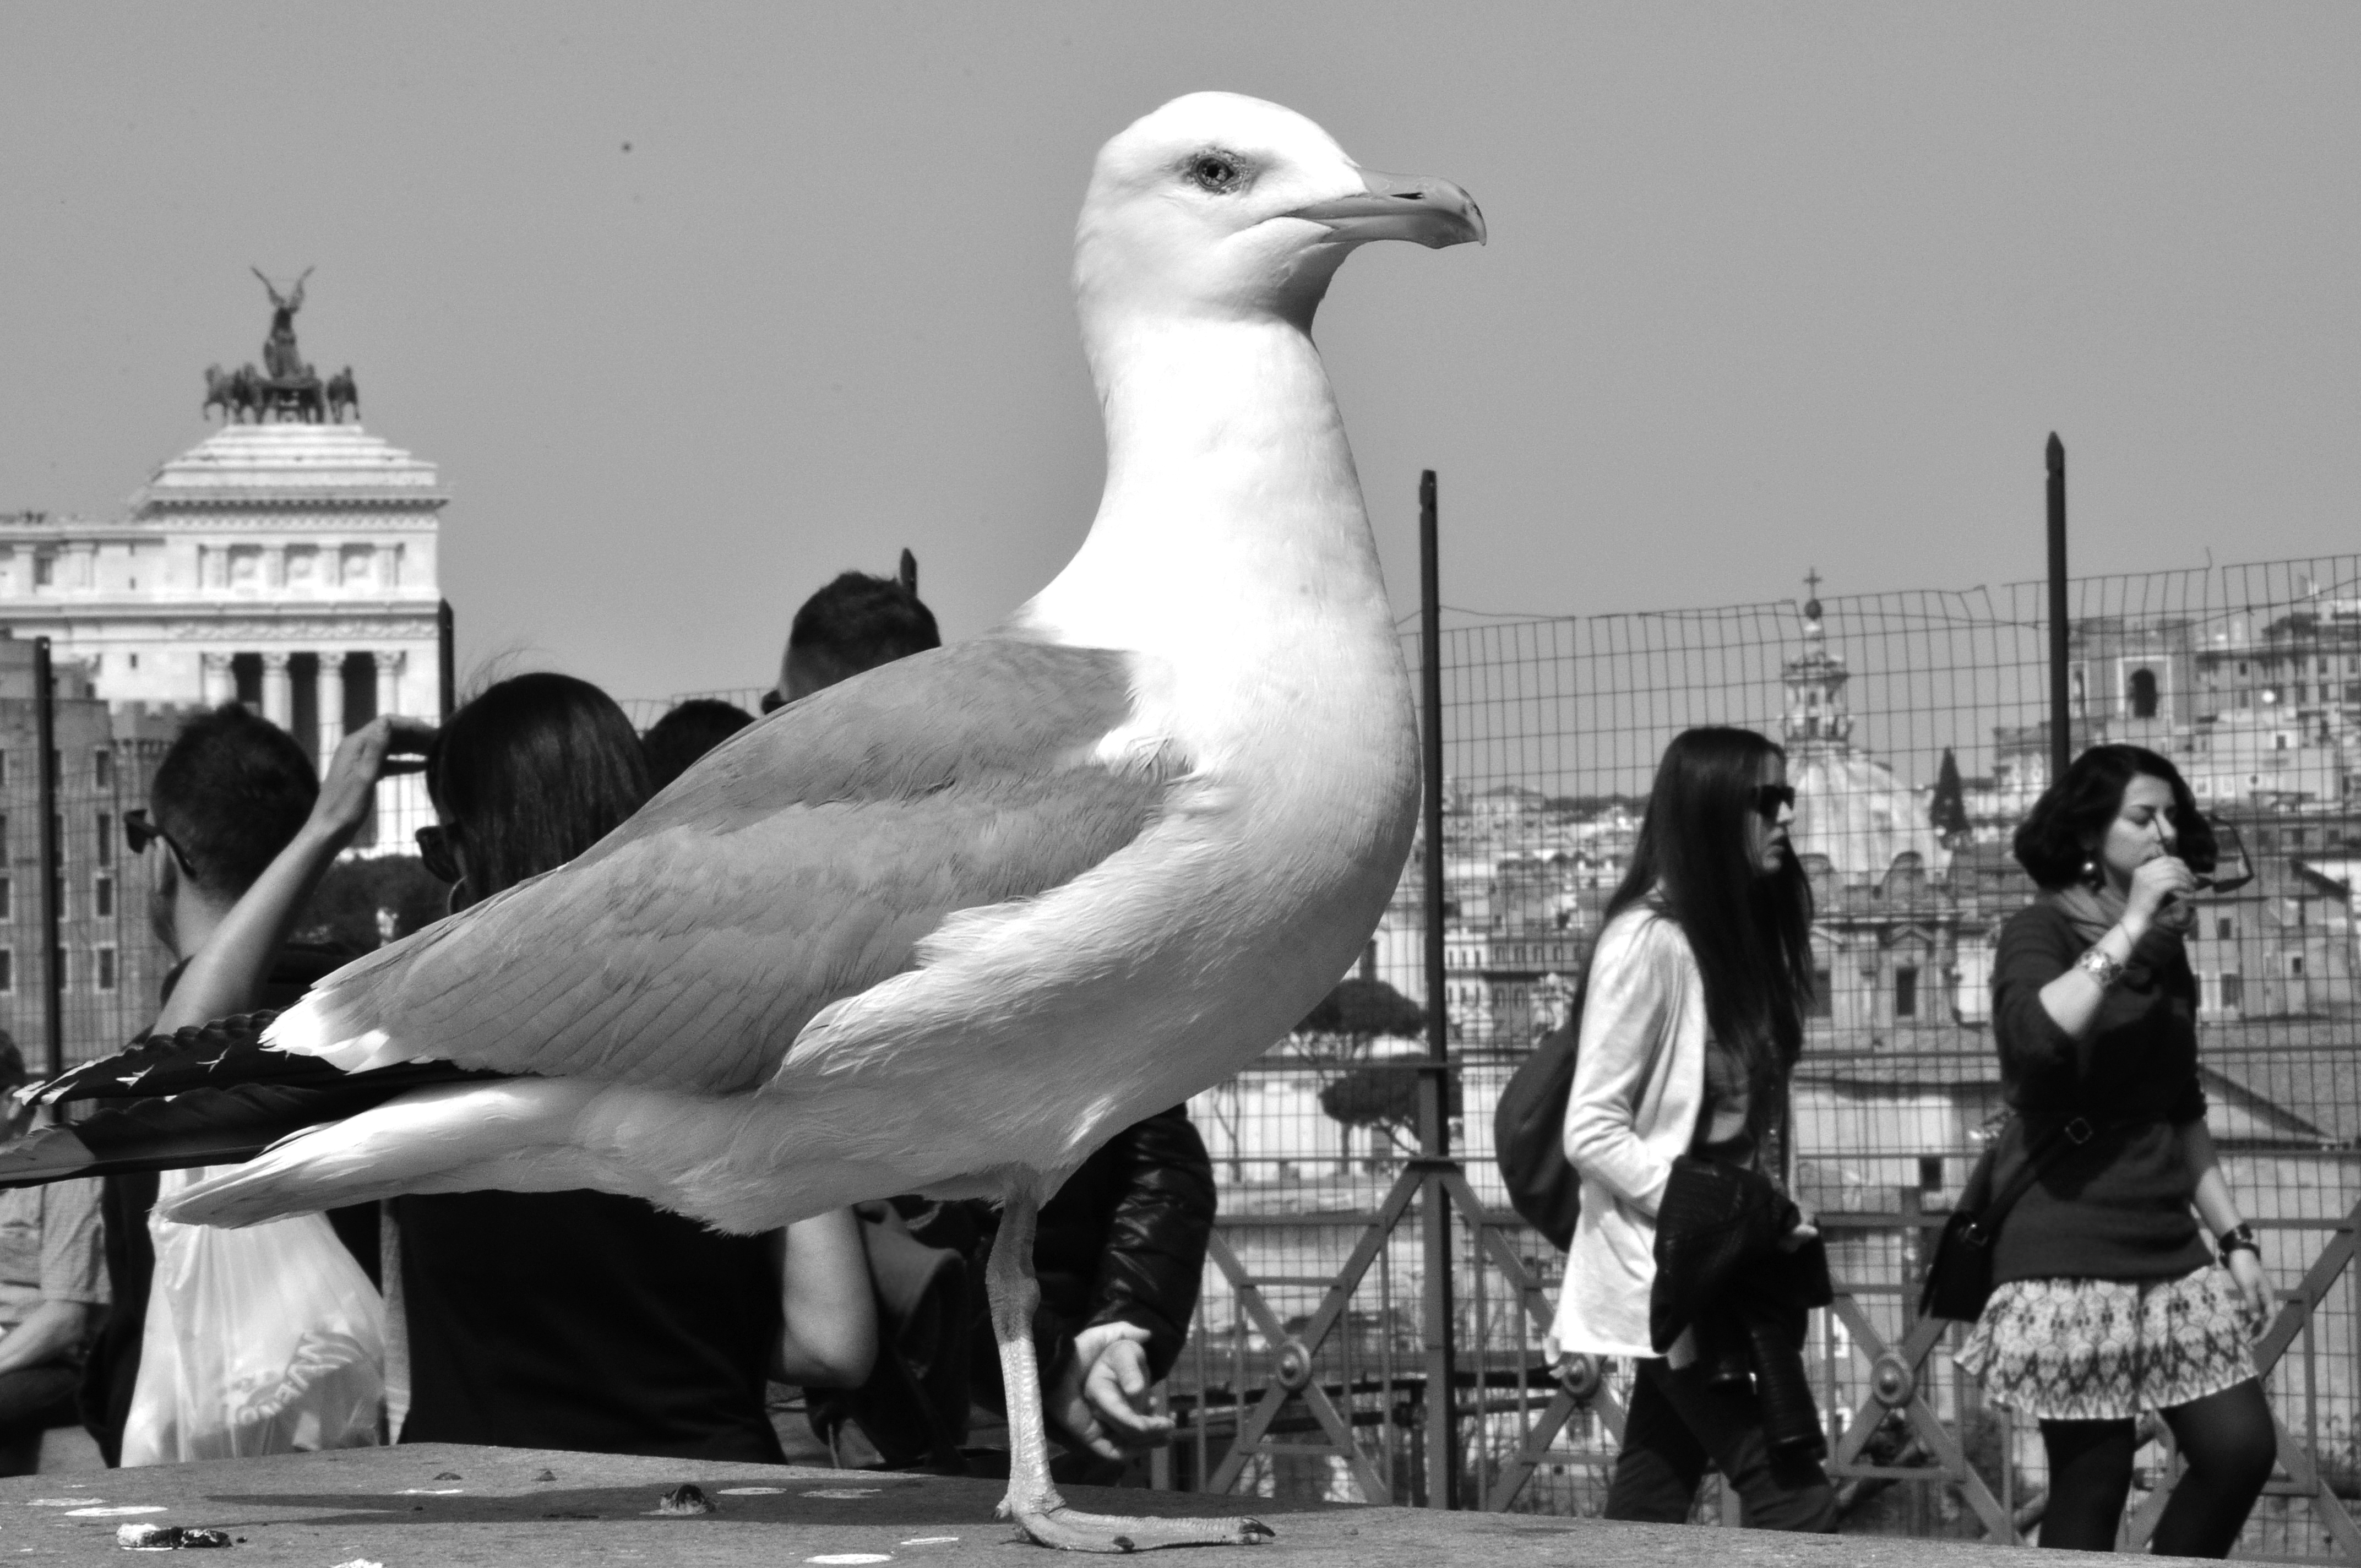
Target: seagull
(947, 926)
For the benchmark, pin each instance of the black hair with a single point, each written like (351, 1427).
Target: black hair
(1751, 933)
(2054, 841)
(232, 791)
(530, 772)
(691, 730)
(857, 623)
(13, 1071)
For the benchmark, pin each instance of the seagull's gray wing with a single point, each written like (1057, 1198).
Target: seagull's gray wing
(800, 863)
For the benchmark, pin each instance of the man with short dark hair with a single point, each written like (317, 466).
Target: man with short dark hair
(856, 623)
(231, 792)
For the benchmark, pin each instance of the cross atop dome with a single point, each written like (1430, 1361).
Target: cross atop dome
(1817, 712)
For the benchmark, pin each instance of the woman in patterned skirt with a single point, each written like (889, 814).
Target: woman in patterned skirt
(2109, 1300)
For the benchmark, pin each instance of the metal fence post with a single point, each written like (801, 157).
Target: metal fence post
(446, 662)
(45, 728)
(1435, 1098)
(2061, 721)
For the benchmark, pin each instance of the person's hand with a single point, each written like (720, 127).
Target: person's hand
(1099, 1397)
(348, 790)
(2156, 883)
(1803, 1233)
(2246, 1269)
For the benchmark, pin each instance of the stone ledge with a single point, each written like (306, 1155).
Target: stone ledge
(432, 1504)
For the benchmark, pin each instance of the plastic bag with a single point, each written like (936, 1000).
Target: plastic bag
(267, 1340)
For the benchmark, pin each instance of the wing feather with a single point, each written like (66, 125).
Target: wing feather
(800, 863)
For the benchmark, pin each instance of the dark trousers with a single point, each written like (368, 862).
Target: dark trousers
(1678, 1425)
(32, 1400)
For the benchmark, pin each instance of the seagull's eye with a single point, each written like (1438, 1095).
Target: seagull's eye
(1215, 172)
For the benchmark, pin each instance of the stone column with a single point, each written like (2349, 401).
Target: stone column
(278, 696)
(220, 681)
(388, 680)
(328, 702)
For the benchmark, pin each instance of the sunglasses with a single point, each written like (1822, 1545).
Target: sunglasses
(435, 853)
(1770, 800)
(138, 832)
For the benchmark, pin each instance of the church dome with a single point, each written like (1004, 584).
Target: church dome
(1849, 806)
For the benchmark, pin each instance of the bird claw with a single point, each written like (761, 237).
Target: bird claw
(1071, 1530)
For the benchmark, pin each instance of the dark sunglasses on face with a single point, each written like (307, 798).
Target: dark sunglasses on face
(1770, 800)
(138, 832)
(435, 853)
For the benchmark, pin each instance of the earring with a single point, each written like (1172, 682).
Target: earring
(2091, 870)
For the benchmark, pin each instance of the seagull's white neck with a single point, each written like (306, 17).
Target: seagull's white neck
(1231, 511)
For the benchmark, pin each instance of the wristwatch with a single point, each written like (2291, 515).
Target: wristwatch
(2101, 968)
(2239, 1237)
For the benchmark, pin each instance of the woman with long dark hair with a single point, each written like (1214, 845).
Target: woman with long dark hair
(583, 1319)
(2108, 1299)
(1691, 1021)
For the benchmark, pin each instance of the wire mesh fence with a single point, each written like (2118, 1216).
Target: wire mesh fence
(1916, 727)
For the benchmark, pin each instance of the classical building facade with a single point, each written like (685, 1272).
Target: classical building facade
(290, 567)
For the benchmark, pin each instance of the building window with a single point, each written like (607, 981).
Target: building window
(102, 768)
(106, 968)
(105, 856)
(2295, 966)
(2226, 928)
(1905, 992)
(2143, 694)
(1930, 1173)
(103, 898)
(6, 912)
(2234, 990)
(45, 571)
(1823, 1004)
(8, 970)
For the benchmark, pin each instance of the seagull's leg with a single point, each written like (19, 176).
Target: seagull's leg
(1033, 1500)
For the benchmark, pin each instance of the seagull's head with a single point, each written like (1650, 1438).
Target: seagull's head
(1223, 205)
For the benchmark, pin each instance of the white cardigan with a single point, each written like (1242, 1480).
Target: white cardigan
(1639, 1083)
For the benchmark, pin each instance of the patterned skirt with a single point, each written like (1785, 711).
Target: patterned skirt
(2088, 1350)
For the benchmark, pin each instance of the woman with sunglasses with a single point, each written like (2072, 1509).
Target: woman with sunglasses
(2109, 1301)
(583, 1319)
(1692, 1019)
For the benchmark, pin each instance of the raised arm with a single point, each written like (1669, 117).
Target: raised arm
(2072, 999)
(226, 975)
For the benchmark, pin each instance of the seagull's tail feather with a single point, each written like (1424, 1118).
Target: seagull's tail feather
(511, 1134)
(219, 1055)
(211, 1095)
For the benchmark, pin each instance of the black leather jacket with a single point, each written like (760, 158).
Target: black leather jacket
(1122, 1241)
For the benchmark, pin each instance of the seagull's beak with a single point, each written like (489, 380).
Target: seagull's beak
(1434, 213)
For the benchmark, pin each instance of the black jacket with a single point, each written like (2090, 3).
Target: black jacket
(1721, 1270)
(1122, 1241)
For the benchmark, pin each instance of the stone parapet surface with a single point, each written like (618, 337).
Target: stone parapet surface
(432, 1504)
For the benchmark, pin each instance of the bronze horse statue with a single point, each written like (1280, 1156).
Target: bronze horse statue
(343, 395)
(236, 394)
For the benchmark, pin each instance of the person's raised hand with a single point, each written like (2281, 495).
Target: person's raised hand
(2154, 884)
(349, 789)
(1100, 1395)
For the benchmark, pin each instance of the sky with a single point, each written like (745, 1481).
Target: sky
(696, 306)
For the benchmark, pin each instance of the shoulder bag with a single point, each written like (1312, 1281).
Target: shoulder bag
(1959, 1280)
